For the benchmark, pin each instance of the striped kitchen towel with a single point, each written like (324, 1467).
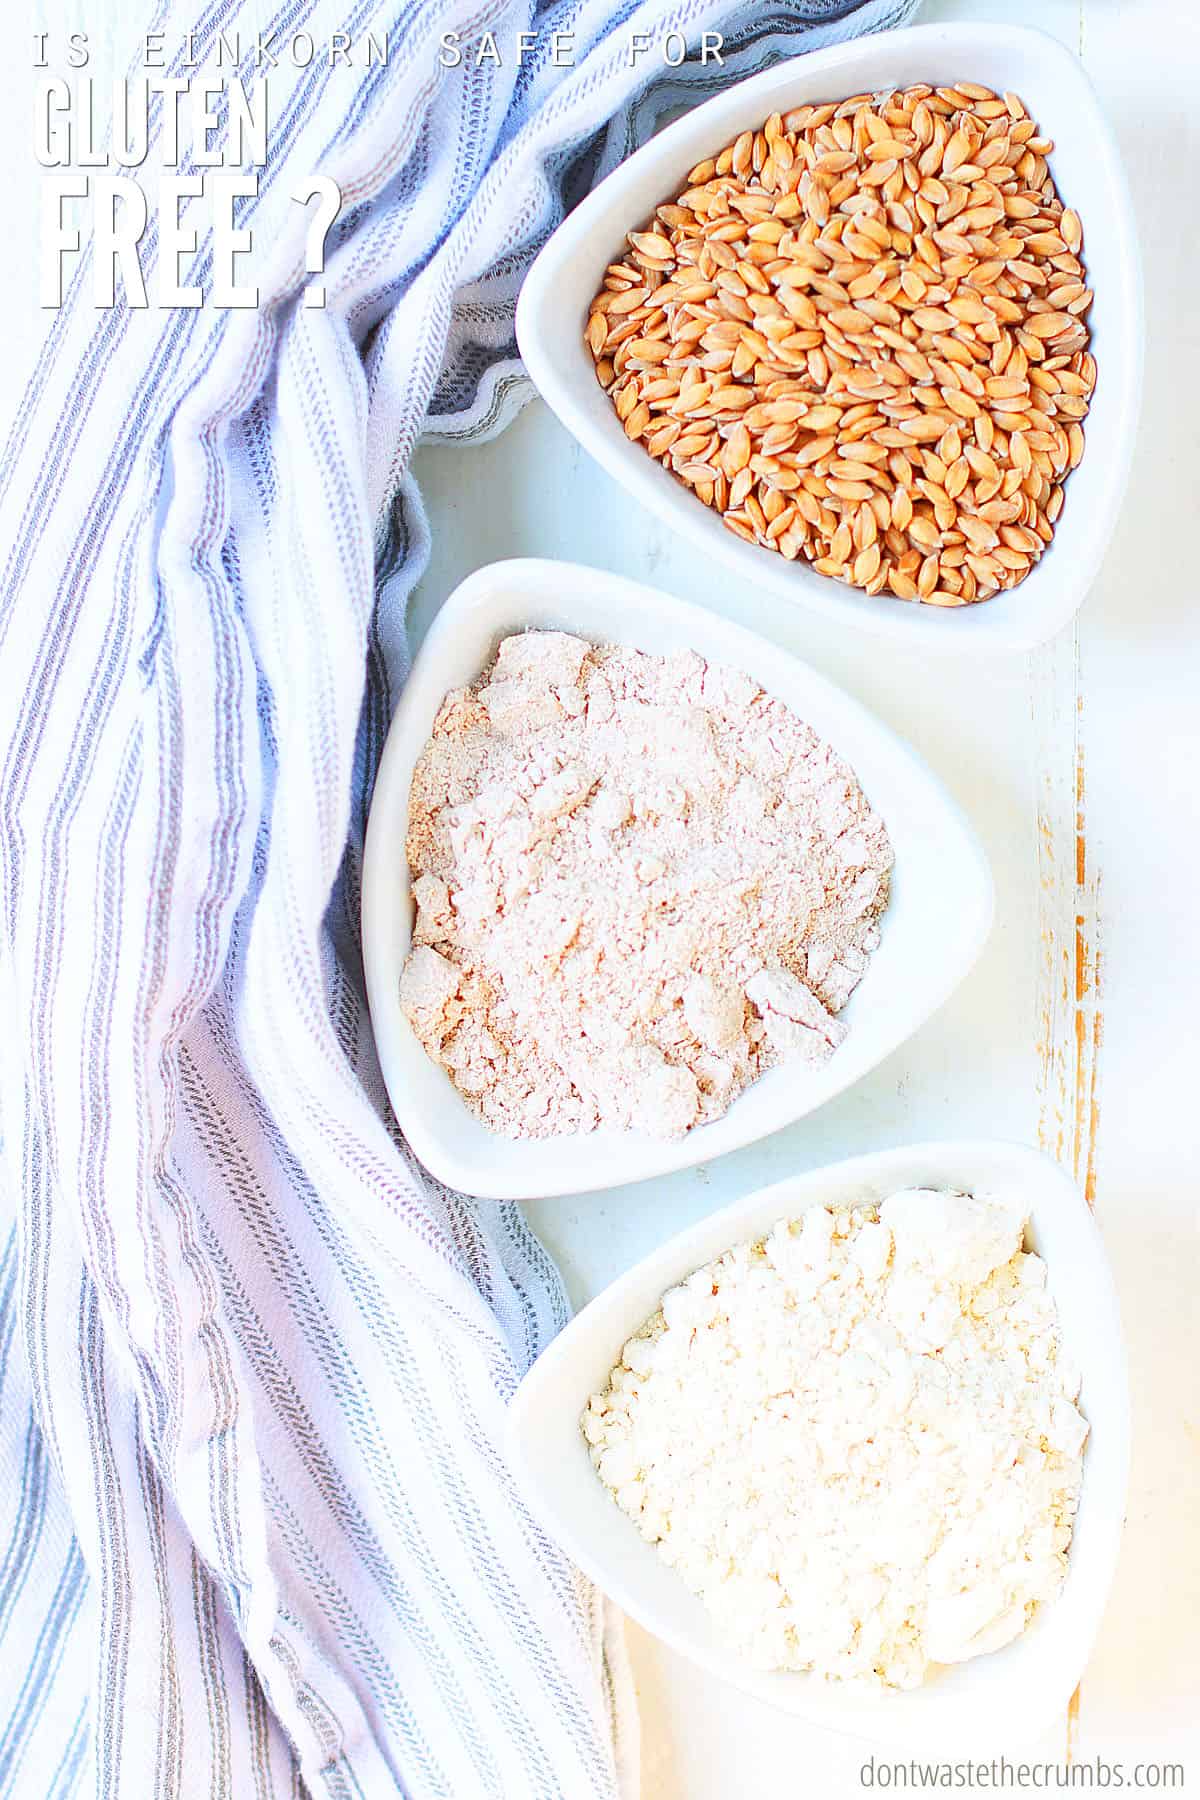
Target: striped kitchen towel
(256, 1532)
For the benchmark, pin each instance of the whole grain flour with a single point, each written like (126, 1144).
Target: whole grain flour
(640, 881)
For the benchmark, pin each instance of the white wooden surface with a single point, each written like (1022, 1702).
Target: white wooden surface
(1078, 1026)
(1078, 765)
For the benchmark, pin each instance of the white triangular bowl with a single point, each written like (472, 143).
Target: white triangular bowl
(1087, 168)
(980, 1708)
(934, 927)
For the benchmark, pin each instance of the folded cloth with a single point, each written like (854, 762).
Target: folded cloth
(257, 1535)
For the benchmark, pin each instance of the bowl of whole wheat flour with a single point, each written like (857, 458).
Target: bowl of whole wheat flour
(885, 950)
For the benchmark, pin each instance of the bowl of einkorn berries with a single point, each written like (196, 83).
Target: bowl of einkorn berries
(867, 328)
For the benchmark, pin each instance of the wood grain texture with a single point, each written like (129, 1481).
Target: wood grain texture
(1070, 1026)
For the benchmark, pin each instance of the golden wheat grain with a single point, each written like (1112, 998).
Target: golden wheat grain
(860, 334)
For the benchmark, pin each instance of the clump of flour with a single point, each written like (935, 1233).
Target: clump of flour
(640, 882)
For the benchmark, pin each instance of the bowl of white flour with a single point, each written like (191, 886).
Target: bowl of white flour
(640, 884)
(858, 1443)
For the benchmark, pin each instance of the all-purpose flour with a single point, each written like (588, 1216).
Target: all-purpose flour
(640, 881)
(857, 1440)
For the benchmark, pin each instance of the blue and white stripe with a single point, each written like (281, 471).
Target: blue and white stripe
(257, 1536)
